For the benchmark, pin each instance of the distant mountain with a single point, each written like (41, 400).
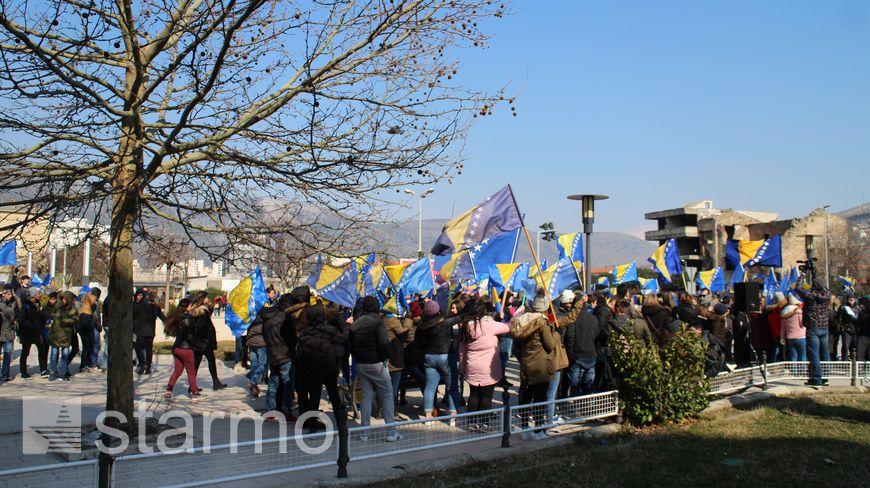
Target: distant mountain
(608, 248)
(859, 215)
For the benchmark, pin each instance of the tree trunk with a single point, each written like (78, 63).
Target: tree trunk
(119, 395)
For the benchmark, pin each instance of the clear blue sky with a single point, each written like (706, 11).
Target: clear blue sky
(758, 105)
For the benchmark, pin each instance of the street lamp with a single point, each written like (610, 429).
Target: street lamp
(588, 213)
(811, 266)
(547, 233)
(420, 220)
(827, 275)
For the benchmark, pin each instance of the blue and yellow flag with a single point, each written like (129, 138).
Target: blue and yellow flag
(848, 283)
(771, 286)
(649, 286)
(713, 280)
(555, 279)
(666, 261)
(8, 255)
(603, 282)
(570, 246)
(508, 276)
(412, 278)
(38, 282)
(624, 273)
(789, 280)
(245, 301)
(766, 252)
(738, 276)
(499, 249)
(496, 215)
(375, 280)
(338, 285)
(458, 268)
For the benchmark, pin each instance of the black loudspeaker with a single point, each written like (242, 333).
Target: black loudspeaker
(747, 297)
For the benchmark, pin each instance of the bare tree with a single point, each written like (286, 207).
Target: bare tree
(191, 113)
(170, 250)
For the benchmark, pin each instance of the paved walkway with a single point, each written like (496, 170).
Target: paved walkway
(90, 388)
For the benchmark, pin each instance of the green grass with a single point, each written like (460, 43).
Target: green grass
(819, 440)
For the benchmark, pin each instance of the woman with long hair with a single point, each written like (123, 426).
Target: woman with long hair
(201, 310)
(182, 325)
(479, 359)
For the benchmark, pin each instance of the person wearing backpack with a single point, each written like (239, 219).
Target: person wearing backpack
(187, 338)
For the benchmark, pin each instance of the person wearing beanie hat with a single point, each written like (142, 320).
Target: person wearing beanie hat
(435, 335)
(431, 309)
(370, 346)
(567, 297)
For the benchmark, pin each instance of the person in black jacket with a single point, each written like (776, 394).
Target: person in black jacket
(370, 345)
(320, 350)
(279, 333)
(145, 315)
(436, 334)
(32, 323)
(201, 310)
(580, 344)
(187, 339)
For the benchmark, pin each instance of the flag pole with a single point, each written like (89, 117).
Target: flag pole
(532, 248)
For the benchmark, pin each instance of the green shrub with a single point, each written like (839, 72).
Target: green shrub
(658, 385)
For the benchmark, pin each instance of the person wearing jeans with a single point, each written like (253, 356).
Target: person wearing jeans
(436, 333)
(581, 375)
(793, 331)
(10, 310)
(58, 365)
(370, 346)
(257, 356)
(580, 345)
(437, 369)
(816, 318)
(280, 374)
(61, 335)
(817, 350)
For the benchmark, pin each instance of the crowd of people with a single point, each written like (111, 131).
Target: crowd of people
(299, 345)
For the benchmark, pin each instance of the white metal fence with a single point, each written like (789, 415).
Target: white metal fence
(61, 475)
(224, 463)
(545, 415)
(240, 461)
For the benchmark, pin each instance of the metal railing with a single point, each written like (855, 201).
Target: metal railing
(203, 466)
(744, 378)
(546, 415)
(61, 475)
(240, 461)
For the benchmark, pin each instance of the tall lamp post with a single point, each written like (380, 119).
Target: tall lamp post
(827, 274)
(420, 220)
(588, 213)
(811, 265)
